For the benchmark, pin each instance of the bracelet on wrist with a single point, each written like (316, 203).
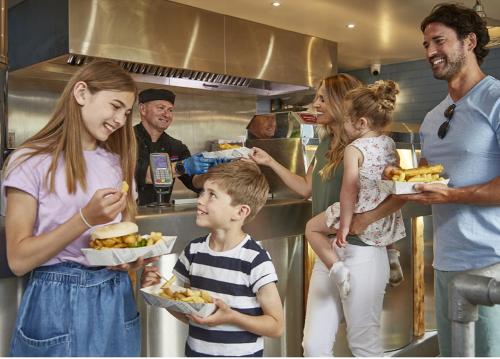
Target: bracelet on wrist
(84, 219)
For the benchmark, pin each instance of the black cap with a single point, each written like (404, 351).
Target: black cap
(156, 94)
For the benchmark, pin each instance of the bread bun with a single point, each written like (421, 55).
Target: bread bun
(115, 230)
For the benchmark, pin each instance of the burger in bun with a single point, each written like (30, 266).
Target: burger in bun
(117, 235)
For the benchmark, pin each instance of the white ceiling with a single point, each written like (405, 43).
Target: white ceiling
(387, 31)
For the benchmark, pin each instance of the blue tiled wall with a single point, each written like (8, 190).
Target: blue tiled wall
(420, 91)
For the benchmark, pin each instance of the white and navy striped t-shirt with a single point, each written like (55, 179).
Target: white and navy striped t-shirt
(235, 276)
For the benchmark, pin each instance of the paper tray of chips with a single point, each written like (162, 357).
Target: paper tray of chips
(398, 187)
(231, 154)
(115, 256)
(152, 297)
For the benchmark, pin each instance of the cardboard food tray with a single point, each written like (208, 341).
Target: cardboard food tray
(231, 154)
(152, 298)
(115, 256)
(396, 187)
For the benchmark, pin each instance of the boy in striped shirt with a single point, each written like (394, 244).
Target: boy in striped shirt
(231, 266)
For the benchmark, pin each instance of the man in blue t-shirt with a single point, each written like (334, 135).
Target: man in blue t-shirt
(463, 134)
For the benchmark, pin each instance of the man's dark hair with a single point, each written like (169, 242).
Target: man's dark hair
(464, 21)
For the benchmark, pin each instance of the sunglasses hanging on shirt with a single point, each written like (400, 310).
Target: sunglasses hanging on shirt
(448, 113)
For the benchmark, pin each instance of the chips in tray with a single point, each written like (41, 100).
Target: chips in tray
(419, 174)
(179, 299)
(228, 146)
(404, 181)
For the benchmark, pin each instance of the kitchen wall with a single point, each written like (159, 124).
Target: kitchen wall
(420, 92)
(200, 115)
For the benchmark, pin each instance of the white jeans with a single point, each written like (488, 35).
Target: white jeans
(362, 309)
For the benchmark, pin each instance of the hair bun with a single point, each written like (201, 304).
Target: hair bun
(385, 91)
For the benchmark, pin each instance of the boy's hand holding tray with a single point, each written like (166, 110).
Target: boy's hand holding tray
(179, 299)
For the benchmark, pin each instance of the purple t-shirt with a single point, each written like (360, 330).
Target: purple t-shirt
(103, 171)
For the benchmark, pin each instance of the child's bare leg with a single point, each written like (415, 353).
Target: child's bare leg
(317, 235)
(396, 272)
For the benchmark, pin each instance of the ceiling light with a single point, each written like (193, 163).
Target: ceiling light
(276, 3)
(351, 26)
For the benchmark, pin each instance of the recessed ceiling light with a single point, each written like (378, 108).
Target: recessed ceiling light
(351, 26)
(276, 3)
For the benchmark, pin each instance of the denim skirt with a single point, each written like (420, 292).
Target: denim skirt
(72, 310)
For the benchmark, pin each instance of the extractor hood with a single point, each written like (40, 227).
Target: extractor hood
(165, 43)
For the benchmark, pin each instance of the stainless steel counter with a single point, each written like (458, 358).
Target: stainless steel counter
(279, 226)
(277, 219)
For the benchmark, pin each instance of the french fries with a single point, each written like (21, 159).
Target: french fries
(169, 282)
(186, 295)
(124, 187)
(419, 174)
(228, 146)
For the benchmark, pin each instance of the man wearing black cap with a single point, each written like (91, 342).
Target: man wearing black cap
(156, 110)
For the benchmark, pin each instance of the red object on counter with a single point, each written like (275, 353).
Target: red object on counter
(308, 117)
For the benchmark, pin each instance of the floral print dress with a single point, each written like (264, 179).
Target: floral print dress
(378, 152)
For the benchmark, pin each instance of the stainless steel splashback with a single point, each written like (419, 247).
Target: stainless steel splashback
(159, 39)
(200, 116)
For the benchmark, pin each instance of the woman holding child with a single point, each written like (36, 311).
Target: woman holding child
(325, 307)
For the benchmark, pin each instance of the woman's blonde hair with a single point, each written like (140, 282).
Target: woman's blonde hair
(61, 136)
(336, 88)
(374, 102)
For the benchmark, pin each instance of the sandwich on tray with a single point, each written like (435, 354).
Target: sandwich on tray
(117, 235)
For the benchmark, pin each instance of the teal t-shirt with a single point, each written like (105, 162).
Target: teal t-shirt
(326, 192)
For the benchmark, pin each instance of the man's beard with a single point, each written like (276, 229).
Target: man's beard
(452, 67)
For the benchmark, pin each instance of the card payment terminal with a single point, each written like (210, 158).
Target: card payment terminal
(161, 175)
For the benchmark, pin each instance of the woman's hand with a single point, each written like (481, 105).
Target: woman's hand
(104, 206)
(261, 157)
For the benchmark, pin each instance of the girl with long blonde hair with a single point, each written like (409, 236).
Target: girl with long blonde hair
(58, 185)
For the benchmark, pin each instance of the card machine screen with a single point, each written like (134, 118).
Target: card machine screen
(161, 172)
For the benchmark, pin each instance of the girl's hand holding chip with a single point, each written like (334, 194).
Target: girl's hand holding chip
(104, 206)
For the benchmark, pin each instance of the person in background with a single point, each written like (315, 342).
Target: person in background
(231, 266)
(323, 180)
(262, 127)
(363, 271)
(463, 134)
(156, 107)
(59, 184)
